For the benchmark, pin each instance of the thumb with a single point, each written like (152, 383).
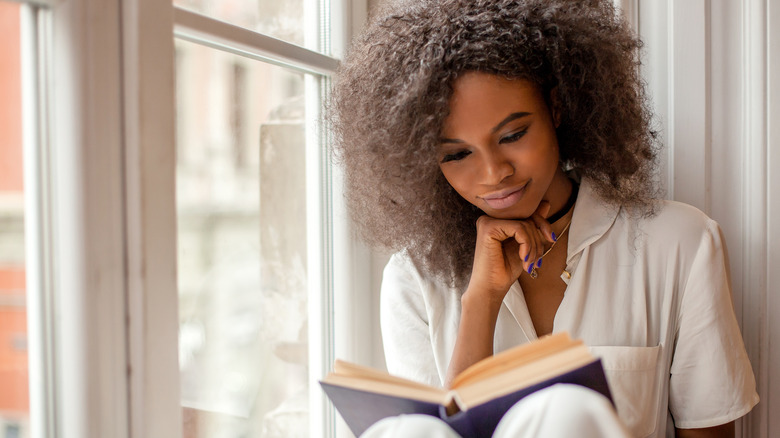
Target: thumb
(540, 219)
(543, 209)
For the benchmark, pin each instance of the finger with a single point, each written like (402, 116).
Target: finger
(529, 239)
(543, 209)
(544, 227)
(494, 232)
(513, 257)
(540, 243)
(523, 233)
(540, 219)
(530, 244)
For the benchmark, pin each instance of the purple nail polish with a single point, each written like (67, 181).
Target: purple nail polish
(539, 263)
(530, 268)
(555, 238)
(526, 257)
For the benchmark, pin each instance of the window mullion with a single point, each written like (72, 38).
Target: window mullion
(217, 34)
(150, 217)
(38, 238)
(87, 220)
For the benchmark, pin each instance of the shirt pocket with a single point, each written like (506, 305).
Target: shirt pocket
(632, 373)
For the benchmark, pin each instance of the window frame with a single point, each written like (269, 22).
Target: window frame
(35, 41)
(107, 321)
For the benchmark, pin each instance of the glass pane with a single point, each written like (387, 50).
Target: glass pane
(283, 19)
(242, 246)
(14, 398)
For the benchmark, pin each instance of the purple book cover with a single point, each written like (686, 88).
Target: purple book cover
(361, 409)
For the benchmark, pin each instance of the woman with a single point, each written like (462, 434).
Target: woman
(503, 149)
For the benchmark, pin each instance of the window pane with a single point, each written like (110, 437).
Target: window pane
(14, 398)
(283, 19)
(241, 205)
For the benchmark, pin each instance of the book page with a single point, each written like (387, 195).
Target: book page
(513, 358)
(426, 393)
(517, 378)
(348, 369)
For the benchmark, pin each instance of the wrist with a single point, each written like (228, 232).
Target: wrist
(482, 300)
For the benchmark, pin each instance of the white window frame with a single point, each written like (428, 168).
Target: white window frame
(105, 330)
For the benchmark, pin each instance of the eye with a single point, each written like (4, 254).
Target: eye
(457, 156)
(511, 138)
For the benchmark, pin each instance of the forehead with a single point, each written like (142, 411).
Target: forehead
(485, 99)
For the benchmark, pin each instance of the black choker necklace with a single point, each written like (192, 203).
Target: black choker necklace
(575, 188)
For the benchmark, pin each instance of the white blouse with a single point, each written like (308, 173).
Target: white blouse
(650, 296)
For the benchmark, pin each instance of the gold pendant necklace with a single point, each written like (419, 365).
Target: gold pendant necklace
(533, 272)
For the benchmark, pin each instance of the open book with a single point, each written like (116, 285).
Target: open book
(478, 397)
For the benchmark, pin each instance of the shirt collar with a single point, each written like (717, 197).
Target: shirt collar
(591, 219)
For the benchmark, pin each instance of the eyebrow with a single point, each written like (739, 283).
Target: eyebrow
(507, 119)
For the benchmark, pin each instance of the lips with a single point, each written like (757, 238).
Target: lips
(504, 198)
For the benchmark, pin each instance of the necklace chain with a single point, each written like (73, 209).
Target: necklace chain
(533, 272)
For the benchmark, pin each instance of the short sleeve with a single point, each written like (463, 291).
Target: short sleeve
(404, 320)
(711, 379)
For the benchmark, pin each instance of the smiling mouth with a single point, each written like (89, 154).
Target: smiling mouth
(504, 198)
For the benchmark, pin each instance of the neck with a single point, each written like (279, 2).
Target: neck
(567, 206)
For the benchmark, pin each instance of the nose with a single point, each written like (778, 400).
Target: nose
(496, 167)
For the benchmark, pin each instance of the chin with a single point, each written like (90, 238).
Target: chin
(509, 213)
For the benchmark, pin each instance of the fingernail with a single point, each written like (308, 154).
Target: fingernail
(530, 268)
(539, 263)
(555, 238)
(526, 257)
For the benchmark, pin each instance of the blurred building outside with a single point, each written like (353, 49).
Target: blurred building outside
(14, 398)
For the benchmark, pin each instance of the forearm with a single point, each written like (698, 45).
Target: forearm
(475, 333)
(503, 250)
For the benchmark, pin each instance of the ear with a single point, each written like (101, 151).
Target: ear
(555, 107)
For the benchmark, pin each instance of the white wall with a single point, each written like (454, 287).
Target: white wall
(709, 67)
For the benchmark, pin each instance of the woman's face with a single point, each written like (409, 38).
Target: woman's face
(499, 150)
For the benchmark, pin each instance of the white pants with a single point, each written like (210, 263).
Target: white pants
(557, 411)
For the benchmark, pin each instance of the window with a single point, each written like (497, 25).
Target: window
(254, 218)
(183, 271)
(253, 215)
(242, 217)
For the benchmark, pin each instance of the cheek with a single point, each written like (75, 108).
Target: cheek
(543, 157)
(459, 181)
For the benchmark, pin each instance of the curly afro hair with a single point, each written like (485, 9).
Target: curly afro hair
(392, 92)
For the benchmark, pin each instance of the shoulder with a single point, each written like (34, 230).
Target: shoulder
(406, 283)
(404, 267)
(677, 235)
(675, 224)
(684, 215)
(402, 280)
(401, 268)
(662, 227)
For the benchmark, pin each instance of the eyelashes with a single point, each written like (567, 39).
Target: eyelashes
(511, 138)
(459, 155)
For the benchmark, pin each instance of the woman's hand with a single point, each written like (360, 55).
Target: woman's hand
(504, 249)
